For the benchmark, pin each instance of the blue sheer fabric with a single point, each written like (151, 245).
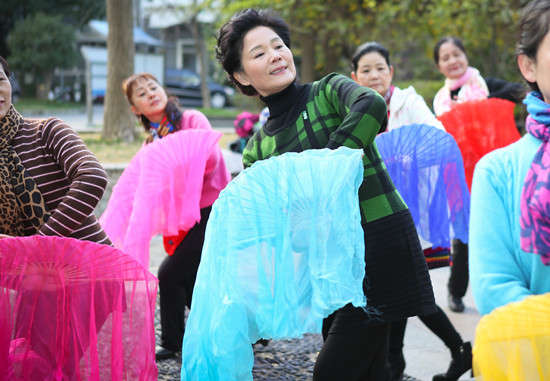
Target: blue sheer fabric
(425, 165)
(284, 248)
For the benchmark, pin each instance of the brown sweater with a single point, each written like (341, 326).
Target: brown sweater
(68, 175)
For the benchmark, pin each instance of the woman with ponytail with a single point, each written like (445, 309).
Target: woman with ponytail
(161, 116)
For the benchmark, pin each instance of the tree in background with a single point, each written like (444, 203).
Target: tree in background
(118, 121)
(201, 53)
(39, 44)
(326, 32)
(75, 13)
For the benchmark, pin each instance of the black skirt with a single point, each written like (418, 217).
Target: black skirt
(397, 283)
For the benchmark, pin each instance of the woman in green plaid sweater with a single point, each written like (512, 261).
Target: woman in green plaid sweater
(254, 49)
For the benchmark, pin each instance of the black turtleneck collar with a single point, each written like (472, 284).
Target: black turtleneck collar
(289, 102)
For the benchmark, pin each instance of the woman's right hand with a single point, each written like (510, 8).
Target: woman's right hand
(5, 236)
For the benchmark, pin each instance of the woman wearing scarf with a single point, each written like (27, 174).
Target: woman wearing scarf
(510, 214)
(462, 82)
(51, 183)
(160, 116)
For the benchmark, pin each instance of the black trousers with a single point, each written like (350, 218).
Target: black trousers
(437, 322)
(176, 275)
(458, 280)
(355, 348)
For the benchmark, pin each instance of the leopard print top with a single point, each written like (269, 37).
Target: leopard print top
(22, 208)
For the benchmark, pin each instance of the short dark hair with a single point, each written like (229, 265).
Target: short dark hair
(231, 35)
(368, 47)
(533, 27)
(454, 40)
(5, 66)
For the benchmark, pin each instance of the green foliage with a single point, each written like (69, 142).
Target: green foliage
(76, 13)
(426, 88)
(45, 107)
(334, 24)
(219, 113)
(488, 29)
(409, 28)
(40, 43)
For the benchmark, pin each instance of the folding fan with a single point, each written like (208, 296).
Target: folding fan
(513, 341)
(159, 192)
(426, 167)
(284, 248)
(480, 127)
(74, 310)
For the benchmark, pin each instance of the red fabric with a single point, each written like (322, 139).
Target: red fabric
(74, 310)
(480, 127)
(437, 257)
(171, 242)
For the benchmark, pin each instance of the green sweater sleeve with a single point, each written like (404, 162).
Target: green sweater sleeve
(363, 111)
(251, 152)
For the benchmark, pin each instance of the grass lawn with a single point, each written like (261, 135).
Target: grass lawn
(116, 152)
(38, 106)
(33, 105)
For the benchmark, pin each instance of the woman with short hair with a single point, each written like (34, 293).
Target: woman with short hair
(254, 49)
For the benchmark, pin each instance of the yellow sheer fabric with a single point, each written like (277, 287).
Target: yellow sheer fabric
(513, 342)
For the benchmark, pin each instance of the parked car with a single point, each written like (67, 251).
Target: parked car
(186, 86)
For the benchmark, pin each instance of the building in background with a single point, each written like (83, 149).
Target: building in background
(169, 21)
(92, 41)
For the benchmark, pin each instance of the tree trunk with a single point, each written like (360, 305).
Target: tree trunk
(307, 68)
(200, 51)
(43, 85)
(332, 57)
(118, 121)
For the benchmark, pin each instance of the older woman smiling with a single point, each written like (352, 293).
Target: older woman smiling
(254, 49)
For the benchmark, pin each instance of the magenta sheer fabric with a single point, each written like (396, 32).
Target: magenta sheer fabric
(159, 192)
(74, 310)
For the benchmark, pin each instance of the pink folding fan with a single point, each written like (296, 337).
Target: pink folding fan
(159, 192)
(74, 310)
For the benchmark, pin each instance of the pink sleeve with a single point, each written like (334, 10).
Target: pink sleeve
(195, 119)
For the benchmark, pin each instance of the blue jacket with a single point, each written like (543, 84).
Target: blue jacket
(500, 271)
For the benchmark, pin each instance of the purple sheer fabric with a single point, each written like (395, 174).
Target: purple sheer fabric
(426, 167)
(535, 196)
(74, 310)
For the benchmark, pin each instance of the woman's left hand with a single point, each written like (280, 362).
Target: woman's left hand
(5, 236)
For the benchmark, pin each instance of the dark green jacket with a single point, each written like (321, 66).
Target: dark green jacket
(329, 113)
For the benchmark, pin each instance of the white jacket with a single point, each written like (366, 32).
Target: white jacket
(408, 107)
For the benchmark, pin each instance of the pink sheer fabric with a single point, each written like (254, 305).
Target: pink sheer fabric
(160, 191)
(74, 310)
